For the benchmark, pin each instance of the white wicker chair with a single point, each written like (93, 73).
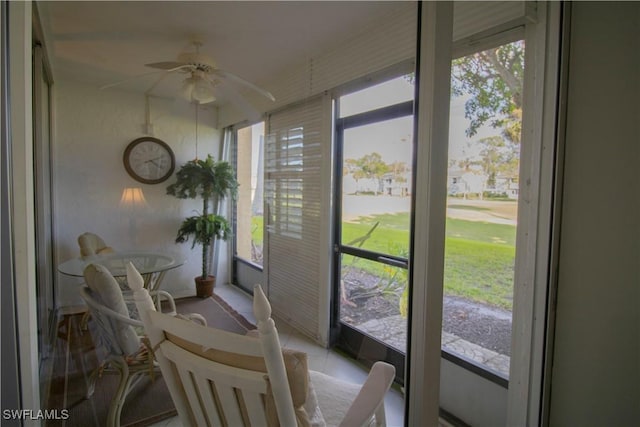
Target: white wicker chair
(219, 378)
(91, 245)
(119, 336)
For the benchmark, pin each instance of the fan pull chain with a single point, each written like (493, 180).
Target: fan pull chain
(196, 130)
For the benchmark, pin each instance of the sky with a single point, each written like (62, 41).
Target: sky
(387, 139)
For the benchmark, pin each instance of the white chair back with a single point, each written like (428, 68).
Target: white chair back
(201, 365)
(91, 245)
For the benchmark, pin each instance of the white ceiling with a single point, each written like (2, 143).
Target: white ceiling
(101, 42)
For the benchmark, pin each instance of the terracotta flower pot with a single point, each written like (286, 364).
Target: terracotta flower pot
(204, 287)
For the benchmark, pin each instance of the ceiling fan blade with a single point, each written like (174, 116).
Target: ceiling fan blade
(130, 79)
(166, 71)
(157, 82)
(232, 77)
(167, 65)
(237, 100)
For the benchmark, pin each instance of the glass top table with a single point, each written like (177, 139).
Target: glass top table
(151, 265)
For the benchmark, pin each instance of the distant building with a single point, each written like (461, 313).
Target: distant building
(462, 182)
(465, 182)
(506, 185)
(396, 187)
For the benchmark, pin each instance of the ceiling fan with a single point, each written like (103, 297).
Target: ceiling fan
(204, 80)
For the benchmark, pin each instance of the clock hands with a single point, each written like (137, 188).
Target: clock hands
(153, 161)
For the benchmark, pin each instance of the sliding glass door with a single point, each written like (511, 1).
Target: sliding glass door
(496, 243)
(374, 146)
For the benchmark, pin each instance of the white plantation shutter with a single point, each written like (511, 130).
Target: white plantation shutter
(293, 235)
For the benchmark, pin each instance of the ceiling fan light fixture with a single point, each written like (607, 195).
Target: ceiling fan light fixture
(198, 90)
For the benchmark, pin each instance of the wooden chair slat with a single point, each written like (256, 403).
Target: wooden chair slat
(208, 401)
(255, 408)
(230, 404)
(192, 394)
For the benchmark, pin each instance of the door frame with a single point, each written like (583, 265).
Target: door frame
(523, 402)
(342, 335)
(433, 80)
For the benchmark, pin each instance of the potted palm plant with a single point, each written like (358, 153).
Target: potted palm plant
(211, 181)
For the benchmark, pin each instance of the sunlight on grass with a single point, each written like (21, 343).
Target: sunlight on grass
(470, 208)
(481, 231)
(256, 229)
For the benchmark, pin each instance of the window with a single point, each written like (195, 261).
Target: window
(482, 206)
(249, 203)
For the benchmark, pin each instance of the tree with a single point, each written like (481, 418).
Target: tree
(399, 171)
(370, 166)
(493, 79)
(499, 156)
(492, 156)
(467, 163)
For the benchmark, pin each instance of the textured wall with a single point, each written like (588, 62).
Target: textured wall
(92, 130)
(596, 361)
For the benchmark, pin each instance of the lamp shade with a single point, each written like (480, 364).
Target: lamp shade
(133, 197)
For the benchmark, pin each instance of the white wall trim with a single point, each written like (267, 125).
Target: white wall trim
(20, 16)
(534, 217)
(326, 221)
(427, 266)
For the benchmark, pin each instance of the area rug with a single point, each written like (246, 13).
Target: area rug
(75, 357)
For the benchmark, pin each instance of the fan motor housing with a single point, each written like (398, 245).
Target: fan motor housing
(198, 60)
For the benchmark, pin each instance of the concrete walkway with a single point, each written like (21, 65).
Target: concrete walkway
(393, 331)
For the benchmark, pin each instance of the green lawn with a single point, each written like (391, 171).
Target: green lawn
(500, 234)
(395, 227)
(479, 257)
(479, 271)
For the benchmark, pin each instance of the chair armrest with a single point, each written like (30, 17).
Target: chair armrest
(370, 399)
(172, 304)
(157, 297)
(111, 313)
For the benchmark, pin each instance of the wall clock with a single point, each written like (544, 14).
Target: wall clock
(149, 160)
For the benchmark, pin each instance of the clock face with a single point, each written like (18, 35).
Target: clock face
(149, 160)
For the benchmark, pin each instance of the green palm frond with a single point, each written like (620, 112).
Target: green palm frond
(211, 181)
(205, 179)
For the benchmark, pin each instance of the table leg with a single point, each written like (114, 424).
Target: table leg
(152, 281)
